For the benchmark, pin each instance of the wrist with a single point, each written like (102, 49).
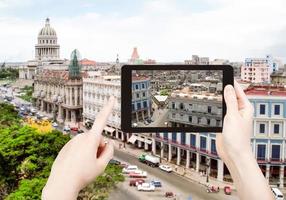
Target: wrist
(60, 190)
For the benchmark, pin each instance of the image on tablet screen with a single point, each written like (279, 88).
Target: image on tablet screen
(177, 98)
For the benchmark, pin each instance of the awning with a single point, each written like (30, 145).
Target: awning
(141, 139)
(148, 141)
(132, 139)
(109, 129)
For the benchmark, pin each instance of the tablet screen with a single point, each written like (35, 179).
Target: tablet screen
(177, 98)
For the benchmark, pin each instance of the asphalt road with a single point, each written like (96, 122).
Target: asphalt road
(178, 183)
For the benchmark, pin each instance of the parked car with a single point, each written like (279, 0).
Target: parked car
(227, 190)
(146, 187)
(169, 194)
(67, 128)
(156, 183)
(136, 182)
(80, 131)
(277, 194)
(129, 169)
(54, 124)
(75, 129)
(166, 168)
(138, 174)
(114, 162)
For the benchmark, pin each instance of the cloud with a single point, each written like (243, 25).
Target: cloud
(165, 30)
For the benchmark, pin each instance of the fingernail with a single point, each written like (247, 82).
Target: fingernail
(229, 89)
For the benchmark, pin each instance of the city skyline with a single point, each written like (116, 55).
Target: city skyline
(160, 29)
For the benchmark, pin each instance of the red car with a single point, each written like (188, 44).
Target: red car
(136, 182)
(139, 174)
(227, 190)
(74, 129)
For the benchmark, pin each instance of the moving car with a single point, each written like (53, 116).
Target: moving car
(80, 131)
(166, 168)
(74, 129)
(277, 194)
(136, 182)
(156, 183)
(146, 187)
(129, 169)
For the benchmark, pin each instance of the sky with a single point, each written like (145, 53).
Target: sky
(164, 30)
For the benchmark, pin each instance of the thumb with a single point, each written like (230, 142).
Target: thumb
(230, 99)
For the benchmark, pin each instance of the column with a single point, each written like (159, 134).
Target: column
(153, 146)
(197, 162)
(122, 136)
(66, 96)
(146, 146)
(188, 159)
(80, 96)
(76, 95)
(220, 168)
(60, 114)
(162, 150)
(116, 133)
(178, 156)
(137, 119)
(42, 105)
(281, 177)
(139, 143)
(170, 153)
(143, 117)
(267, 174)
(48, 108)
(70, 95)
(73, 116)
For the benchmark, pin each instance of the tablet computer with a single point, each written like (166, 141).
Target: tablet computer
(173, 98)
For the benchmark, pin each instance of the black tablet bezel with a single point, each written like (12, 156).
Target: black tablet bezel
(126, 96)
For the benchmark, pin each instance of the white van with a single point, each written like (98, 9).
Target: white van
(277, 193)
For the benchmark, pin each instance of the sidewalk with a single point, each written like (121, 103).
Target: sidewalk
(190, 174)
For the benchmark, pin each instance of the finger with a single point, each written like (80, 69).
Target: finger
(101, 146)
(230, 99)
(243, 102)
(101, 120)
(107, 153)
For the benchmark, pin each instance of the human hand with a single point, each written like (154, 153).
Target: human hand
(80, 161)
(234, 148)
(237, 126)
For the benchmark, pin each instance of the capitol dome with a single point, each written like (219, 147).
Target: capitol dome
(47, 30)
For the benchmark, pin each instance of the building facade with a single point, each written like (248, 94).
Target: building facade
(59, 93)
(198, 150)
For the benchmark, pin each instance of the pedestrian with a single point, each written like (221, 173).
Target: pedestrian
(176, 168)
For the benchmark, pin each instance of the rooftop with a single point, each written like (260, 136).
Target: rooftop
(139, 78)
(265, 90)
(187, 93)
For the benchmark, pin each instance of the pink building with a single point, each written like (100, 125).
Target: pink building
(256, 70)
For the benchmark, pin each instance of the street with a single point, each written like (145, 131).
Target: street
(173, 182)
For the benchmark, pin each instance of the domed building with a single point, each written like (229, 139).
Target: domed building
(47, 47)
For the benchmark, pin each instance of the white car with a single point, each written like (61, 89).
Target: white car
(146, 187)
(55, 124)
(67, 128)
(166, 168)
(130, 169)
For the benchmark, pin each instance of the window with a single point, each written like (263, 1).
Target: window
(138, 106)
(276, 128)
(203, 143)
(181, 106)
(261, 151)
(145, 104)
(174, 137)
(165, 136)
(208, 121)
(133, 107)
(213, 147)
(275, 153)
(143, 85)
(276, 109)
(183, 138)
(193, 140)
(136, 87)
(261, 128)
(190, 118)
(143, 94)
(262, 109)
(137, 96)
(173, 105)
(209, 109)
